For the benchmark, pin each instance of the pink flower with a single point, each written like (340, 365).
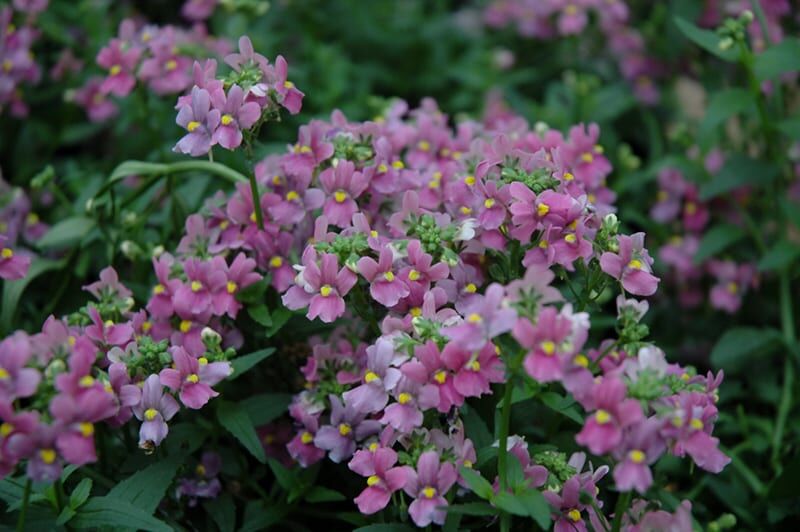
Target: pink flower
(412, 399)
(322, 288)
(385, 286)
(154, 410)
(544, 341)
(200, 122)
(120, 60)
(473, 372)
(428, 485)
(12, 265)
(343, 185)
(382, 478)
(16, 380)
(235, 115)
(193, 377)
(603, 431)
(631, 265)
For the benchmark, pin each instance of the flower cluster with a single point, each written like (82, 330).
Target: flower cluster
(160, 57)
(220, 111)
(551, 19)
(18, 66)
(20, 227)
(445, 245)
(678, 204)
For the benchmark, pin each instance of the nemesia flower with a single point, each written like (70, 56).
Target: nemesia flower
(154, 410)
(382, 478)
(631, 265)
(200, 122)
(323, 289)
(386, 287)
(613, 413)
(193, 377)
(428, 485)
(236, 115)
(120, 60)
(347, 426)
(12, 265)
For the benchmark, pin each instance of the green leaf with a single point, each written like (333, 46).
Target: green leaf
(66, 233)
(12, 290)
(515, 477)
(80, 493)
(475, 428)
(510, 503)
(257, 517)
(781, 58)
(282, 474)
(705, 39)
(537, 507)
(145, 489)
(265, 407)
(563, 405)
(611, 101)
(260, 314)
(790, 127)
(479, 485)
(723, 105)
(279, 318)
(739, 170)
(109, 511)
(323, 494)
(235, 419)
(743, 346)
(64, 517)
(243, 363)
(223, 511)
(716, 240)
(472, 508)
(781, 255)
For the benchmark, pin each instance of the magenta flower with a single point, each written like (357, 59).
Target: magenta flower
(12, 265)
(428, 486)
(235, 115)
(94, 101)
(291, 98)
(120, 60)
(347, 426)
(544, 341)
(690, 426)
(312, 148)
(77, 415)
(473, 371)
(485, 317)
(732, 283)
(603, 431)
(385, 286)
(631, 265)
(203, 280)
(641, 448)
(382, 478)
(200, 122)
(322, 288)
(17, 381)
(108, 286)
(421, 271)
(160, 303)
(107, 333)
(246, 56)
(301, 448)
(568, 514)
(342, 185)
(412, 399)
(428, 367)
(379, 379)
(154, 410)
(240, 274)
(193, 377)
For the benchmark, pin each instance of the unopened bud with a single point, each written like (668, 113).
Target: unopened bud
(208, 334)
(746, 16)
(725, 44)
(130, 249)
(157, 251)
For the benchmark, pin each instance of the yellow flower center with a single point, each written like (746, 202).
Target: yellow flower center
(587, 157)
(48, 456)
(413, 275)
(340, 196)
(574, 515)
(325, 291)
(71, 340)
(193, 378)
(370, 376)
(150, 414)
(253, 217)
(568, 176)
(231, 287)
(292, 195)
(570, 238)
(733, 288)
(6, 429)
(602, 417)
(677, 421)
(185, 326)
(389, 276)
(158, 289)
(404, 398)
(382, 168)
(200, 470)
(471, 288)
(489, 203)
(306, 437)
(288, 84)
(424, 145)
(415, 312)
(543, 244)
(475, 365)
(277, 180)
(398, 165)
(203, 361)
(635, 264)
(86, 428)
(662, 196)
(433, 184)
(196, 286)
(171, 65)
(581, 360)
(373, 447)
(4, 374)
(114, 70)
(226, 120)
(696, 424)
(542, 209)
(372, 480)
(191, 126)
(469, 180)
(690, 208)
(7, 65)
(86, 381)
(6, 253)
(373, 234)
(429, 492)
(474, 318)
(466, 211)
(344, 429)
(637, 456)
(440, 376)
(549, 347)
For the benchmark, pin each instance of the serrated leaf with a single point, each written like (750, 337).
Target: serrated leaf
(235, 419)
(717, 239)
(723, 105)
(145, 489)
(265, 407)
(109, 511)
(705, 39)
(741, 346)
(739, 170)
(13, 290)
(778, 59)
(323, 494)
(780, 256)
(243, 363)
(66, 233)
(80, 493)
(479, 485)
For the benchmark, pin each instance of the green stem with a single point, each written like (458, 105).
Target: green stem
(787, 325)
(24, 509)
(256, 201)
(502, 450)
(622, 506)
